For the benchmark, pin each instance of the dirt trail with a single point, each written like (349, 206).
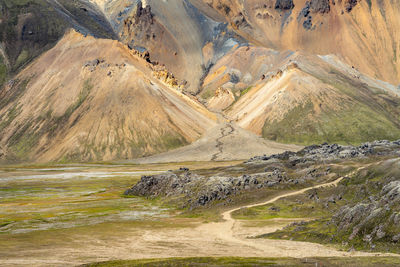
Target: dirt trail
(227, 231)
(227, 238)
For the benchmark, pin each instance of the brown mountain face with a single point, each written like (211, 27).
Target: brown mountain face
(94, 99)
(363, 33)
(291, 71)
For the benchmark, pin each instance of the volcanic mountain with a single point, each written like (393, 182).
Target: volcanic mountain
(135, 78)
(71, 104)
(363, 33)
(295, 97)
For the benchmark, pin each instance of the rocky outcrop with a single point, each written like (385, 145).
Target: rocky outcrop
(375, 219)
(335, 151)
(139, 28)
(240, 21)
(143, 14)
(350, 4)
(320, 6)
(363, 211)
(222, 99)
(159, 71)
(140, 21)
(169, 79)
(199, 190)
(284, 4)
(313, 6)
(194, 189)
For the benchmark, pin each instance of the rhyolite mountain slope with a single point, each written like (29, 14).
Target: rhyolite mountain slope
(363, 36)
(363, 33)
(297, 97)
(186, 36)
(94, 99)
(292, 71)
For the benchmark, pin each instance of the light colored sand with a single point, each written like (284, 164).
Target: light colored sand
(226, 141)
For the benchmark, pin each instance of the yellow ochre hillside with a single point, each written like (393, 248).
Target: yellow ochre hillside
(94, 99)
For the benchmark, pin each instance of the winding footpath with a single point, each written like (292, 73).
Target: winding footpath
(223, 239)
(225, 232)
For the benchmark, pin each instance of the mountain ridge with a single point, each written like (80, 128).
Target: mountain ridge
(297, 72)
(51, 113)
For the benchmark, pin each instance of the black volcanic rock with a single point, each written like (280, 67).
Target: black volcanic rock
(240, 21)
(284, 4)
(320, 6)
(195, 189)
(307, 24)
(334, 151)
(375, 218)
(143, 15)
(350, 4)
(314, 6)
(305, 11)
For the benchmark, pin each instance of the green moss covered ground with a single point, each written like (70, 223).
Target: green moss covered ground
(367, 114)
(276, 262)
(325, 225)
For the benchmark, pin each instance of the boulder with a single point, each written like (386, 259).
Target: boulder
(320, 6)
(284, 4)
